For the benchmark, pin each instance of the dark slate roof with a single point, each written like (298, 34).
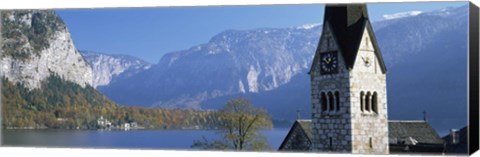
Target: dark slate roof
(418, 130)
(347, 22)
(306, 127)
(462, 146)
(421, 131)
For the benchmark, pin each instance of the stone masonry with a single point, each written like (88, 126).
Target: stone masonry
(360, 124)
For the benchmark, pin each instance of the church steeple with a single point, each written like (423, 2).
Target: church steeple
(348, 83)
(347, 24)
(342, 16)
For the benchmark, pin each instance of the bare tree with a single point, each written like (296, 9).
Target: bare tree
(239, 123)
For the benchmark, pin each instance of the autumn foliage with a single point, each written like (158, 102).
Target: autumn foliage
(63, 104)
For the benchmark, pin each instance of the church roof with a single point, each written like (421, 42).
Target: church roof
(420, 131)
(305, 126)
(348, 23)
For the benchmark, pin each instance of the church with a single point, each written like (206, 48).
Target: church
(348, 95)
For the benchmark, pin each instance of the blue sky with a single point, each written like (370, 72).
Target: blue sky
(149, 33)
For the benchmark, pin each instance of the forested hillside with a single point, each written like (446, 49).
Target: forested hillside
(64, 104)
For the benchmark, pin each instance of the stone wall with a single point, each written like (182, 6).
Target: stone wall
(330, 129)
(366, 124)
(350, 129)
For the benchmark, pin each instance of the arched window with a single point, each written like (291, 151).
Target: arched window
(374, 102)
(370, 143)
(330, 101)
(331, 143)
(367, 101)
(337, 101)
(323, 101)
(362, 101)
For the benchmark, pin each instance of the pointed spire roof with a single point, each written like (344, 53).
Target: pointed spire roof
(347, 22)
(344, 16)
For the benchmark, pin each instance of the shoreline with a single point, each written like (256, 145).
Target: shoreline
(99, 129)
(149, 129)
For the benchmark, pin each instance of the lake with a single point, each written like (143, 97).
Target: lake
(135, 139)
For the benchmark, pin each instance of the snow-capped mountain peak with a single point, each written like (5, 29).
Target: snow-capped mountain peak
(108, 67)
(309, 26)
(401, 15)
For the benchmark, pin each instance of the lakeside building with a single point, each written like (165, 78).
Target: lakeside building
(348, 94)
(404, 137)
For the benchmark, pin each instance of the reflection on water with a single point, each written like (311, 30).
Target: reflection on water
(136, 139)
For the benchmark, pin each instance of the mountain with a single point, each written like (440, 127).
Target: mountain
(425, 56)
(37, 43)
(108, 67)
(43, 74)
(427, 67)
(232, 62)
(46, 83)
(416, 32)
(401, 15)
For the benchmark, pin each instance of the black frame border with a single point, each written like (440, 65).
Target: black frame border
(473, 119)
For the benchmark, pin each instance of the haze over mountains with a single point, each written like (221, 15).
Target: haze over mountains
(428, 67)
(425, 54)
(108, 68)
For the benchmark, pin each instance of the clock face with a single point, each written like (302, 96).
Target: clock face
(328, 63)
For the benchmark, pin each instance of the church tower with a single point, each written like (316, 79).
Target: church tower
(348, 84)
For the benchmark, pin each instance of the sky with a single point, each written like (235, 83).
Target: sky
(149, 33)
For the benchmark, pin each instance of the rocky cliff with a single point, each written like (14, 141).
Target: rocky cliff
(36, 43)
(232, 62)
(109, 68)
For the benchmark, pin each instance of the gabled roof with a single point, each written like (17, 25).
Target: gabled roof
(347, 23)
(305, 125)
(420, 131)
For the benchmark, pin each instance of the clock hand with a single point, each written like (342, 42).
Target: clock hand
(326, 60)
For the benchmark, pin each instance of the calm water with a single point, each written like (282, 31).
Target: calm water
(136, 139)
